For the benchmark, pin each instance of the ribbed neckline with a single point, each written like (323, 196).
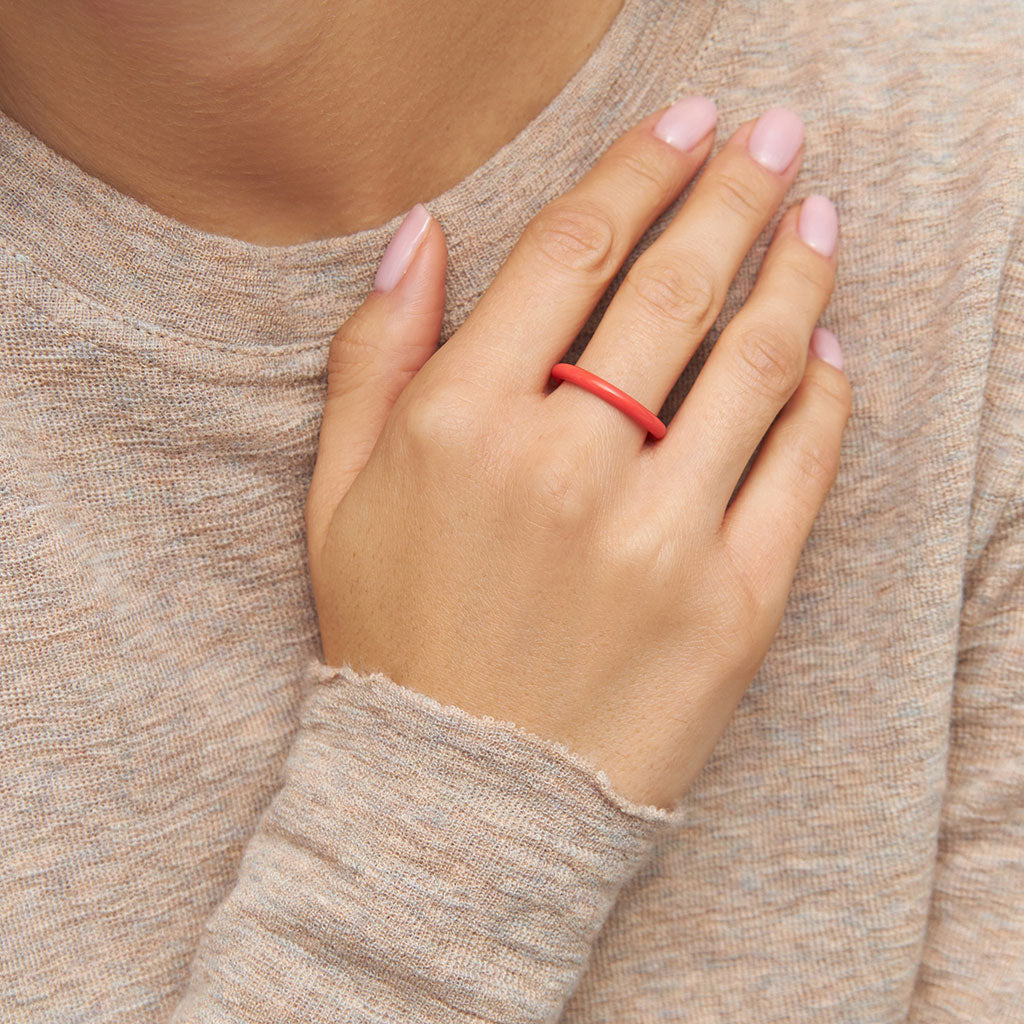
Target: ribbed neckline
(142, 267)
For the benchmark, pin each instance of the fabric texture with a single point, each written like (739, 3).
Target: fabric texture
(202, 822)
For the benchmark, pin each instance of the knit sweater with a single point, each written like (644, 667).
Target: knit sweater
(201, 821)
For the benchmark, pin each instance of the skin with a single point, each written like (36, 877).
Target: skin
(281, 121)
(513, 548)
(521, 550)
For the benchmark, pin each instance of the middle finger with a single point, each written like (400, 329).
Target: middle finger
(675, 290)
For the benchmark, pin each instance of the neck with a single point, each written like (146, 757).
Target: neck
(282, 121)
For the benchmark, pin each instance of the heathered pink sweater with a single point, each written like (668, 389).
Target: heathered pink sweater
(201, 822)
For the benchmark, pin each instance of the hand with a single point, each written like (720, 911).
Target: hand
(517, 546)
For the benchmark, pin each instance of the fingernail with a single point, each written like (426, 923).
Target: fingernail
(776, 139)
(825, 345)
(686, 122)
(819, 224)
(401, 249)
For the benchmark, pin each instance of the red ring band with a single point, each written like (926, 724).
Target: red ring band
(610, 393)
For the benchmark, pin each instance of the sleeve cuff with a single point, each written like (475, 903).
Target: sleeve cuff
(426, 862)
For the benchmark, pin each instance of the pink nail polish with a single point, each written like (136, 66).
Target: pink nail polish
(402, 248)
(819, 224)
(776, 139)
(686, 122)
(825, 345)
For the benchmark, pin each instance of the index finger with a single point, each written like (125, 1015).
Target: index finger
(569, 252)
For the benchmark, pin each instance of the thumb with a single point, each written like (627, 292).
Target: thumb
(374, 355)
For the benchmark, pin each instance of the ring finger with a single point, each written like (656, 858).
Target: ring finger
(675, 290)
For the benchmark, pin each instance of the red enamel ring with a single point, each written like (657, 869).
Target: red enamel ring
(610, 393)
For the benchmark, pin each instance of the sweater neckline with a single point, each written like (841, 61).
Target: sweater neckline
(130, 262)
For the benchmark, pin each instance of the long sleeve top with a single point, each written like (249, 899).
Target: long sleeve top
(200, 821)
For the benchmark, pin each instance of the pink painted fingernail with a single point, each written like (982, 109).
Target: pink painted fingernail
(686, 122)
(825, 345)
(402, 248)
(819, 224)
(776, 139)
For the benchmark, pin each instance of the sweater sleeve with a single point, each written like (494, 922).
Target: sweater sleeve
(418, 864)
(972, 966)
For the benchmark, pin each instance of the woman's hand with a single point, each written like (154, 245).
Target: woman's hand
(518, 547)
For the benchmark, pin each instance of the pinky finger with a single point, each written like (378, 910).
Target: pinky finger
(770, 519)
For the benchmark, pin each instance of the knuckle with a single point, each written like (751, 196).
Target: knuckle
(685, 293)
(831, 388)
(755, 591)
(813, 461)
(808, 274)
(352, 356)
(768, 362)
(558, 492)
(649, 169)
(739, 195)
(743, 596)
(643, 554)
(437, 421)
(574, 236)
